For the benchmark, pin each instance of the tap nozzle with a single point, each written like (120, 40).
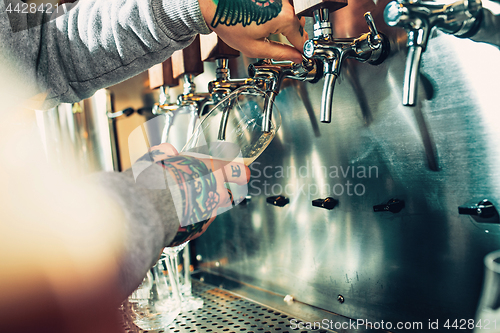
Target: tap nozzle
(269, 74)
(461, 18)
(371, 47)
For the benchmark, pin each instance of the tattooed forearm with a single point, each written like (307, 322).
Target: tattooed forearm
(232, 12)
(198, 189)
(150, 156)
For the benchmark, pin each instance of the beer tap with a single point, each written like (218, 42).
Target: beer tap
(161, 76)
(214, 49)
(269, 74)
(266, 74)
(187, 63)
(461, 18)
(371, 47)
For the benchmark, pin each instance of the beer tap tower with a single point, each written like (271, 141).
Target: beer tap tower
(371, 47)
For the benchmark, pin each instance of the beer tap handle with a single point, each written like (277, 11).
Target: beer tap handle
(307, 7)
(188, 61)
(161, 75)
(213, 48)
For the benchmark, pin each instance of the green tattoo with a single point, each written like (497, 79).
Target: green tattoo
(232, 12)
(150, 156)
(198, 189)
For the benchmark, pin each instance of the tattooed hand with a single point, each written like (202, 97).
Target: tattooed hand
(246, 24)
(201, 183)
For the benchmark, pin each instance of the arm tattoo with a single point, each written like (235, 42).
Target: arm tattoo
(232, 12)
(150, 156)
(198, 189)
(235, 171)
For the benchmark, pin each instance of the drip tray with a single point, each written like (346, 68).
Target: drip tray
(226, 312)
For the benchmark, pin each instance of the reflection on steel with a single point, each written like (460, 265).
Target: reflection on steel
(81, 132)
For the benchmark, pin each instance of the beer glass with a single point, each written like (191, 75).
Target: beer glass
(488, 312)
(156, 302)
(233, 129)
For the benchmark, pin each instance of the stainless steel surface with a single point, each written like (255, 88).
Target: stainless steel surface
(423, 263)
(225, 311)
(80, 132)
(461, 18)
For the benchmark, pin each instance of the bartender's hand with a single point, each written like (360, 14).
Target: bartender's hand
(246, 24)
(201, 182)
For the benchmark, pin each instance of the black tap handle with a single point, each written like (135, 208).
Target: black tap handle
(483, 209)
(278, 200)
(328, 203)
(393, 206)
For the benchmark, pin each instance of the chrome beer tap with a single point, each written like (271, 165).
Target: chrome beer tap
(160, 76)
(269, 74)
(371, 47)
(190, 97)
(461, 18)
(223, 84)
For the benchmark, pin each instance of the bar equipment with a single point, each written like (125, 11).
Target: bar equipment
(418, 264)
(371, 47)
(161, 77)
(187, 64)
(269, 74)
(460, 18)
(265, 74)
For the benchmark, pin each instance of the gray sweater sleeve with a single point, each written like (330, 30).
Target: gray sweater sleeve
(151, 220)
(95, 44)
(98, 43)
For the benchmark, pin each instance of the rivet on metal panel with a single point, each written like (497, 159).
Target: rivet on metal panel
(340, 299)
